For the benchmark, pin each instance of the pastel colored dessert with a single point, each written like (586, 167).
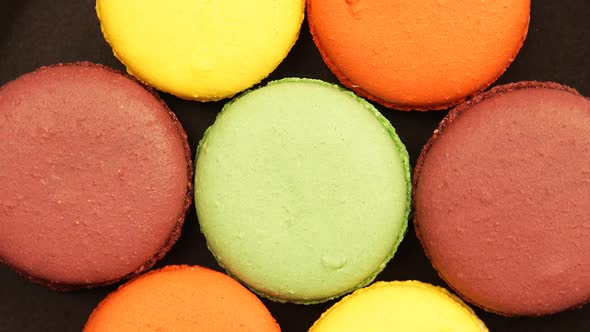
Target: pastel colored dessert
(420, 54)
(302, 190)
(96, 176)
(502, 192)
(399, 306)
(201, 50)
(182, 298)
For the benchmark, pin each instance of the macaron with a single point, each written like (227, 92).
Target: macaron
(502, 195)
(96, 176)
(201, 50)
(399, 306)
(302, 190)
(182, 298)
(420, 54)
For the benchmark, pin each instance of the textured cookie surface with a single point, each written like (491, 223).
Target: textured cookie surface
(203, 50)
(302, 190)
(399, 306)
(181, 299)
(420, 54)
(95, 176)
(502, 199)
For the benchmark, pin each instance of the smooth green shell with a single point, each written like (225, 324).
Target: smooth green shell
(302, 190)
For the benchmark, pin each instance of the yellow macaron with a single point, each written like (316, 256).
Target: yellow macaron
(399, 306)
(200, 49)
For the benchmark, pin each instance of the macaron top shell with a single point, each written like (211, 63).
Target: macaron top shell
(420, 54)
(182, 299)
(202, 50)
(399, 306)
(302, 190)
(95, 175)
(502, 197)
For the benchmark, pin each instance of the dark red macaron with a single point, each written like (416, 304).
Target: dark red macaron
(502, 199)
(95, 176)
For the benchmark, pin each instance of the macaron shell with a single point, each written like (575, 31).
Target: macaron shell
(181, 298)
(399, 306)
(89, 194)
(285, 174)
(501, 199)
(202, 50)
(422, 54)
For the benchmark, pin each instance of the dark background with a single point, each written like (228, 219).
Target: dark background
(44, 32)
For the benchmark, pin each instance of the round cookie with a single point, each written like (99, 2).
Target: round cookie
(502, 192)
(96, 176)
(399, 306)
(422, 54)
(182, 298)
(302, 190)
(201, 50)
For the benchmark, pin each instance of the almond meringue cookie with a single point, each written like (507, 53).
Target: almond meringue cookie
(302, 190)
(202, 50)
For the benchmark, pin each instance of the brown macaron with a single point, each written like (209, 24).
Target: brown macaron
(502, 198)
(96, 176)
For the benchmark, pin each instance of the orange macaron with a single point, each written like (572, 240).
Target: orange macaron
(419, 54)
(181, 298)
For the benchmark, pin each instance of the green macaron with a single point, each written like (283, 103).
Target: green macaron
(302, 190)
